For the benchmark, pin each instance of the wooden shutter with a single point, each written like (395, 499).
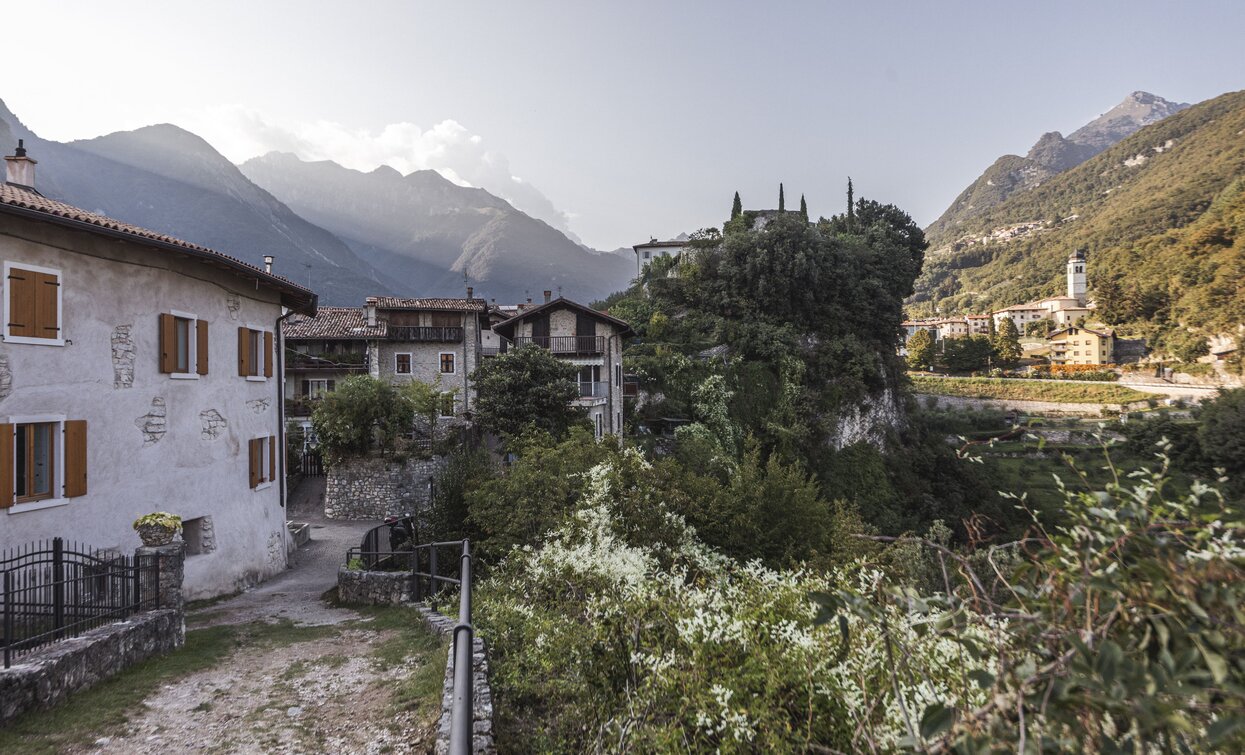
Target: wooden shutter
(8, 490)
(272, 458)
(201, 353)
(47, 297)
(332, 386)
(75, 458)
(168, 343)
(22, 318)
(306, 389)
(253, 460)
(244, 353)
(267, 353)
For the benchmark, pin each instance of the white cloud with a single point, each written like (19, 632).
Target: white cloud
(448, 147)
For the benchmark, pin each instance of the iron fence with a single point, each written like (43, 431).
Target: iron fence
(54, 590)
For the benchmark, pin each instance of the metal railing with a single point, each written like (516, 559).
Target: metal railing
(425, 333)
(593, 390)
(54, 591)
(565, 344)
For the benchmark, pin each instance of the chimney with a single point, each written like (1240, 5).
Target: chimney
(548, 296)
(268, 263)
(20, 170)
(369, 306)
(470, 292)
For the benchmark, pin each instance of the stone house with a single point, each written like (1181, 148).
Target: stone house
(139, 373)
(588, 339)
(1075, 345)
(652, 249)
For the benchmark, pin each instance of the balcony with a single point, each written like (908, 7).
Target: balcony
(345, 362)
(565, 345)
(594, 390)
(425, 334)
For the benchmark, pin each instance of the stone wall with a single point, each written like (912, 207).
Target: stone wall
(372, 489)
(373, 588)
(481, 692)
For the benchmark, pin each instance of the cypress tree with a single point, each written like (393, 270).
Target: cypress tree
(782, 202)
(803, 208)
(737, 208)
(851, 212)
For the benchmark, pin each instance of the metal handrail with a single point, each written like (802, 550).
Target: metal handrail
(462, 714)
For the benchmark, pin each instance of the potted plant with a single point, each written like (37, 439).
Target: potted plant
(158, 528)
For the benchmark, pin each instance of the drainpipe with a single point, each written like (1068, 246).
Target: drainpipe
(279, 348)
(610, 382)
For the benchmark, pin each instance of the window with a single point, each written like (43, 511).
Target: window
(262, 453)
(402, 364)
(32, 305)
(648, 255)
(183, 345)
(41, 459)
(447, 405)
(199, 536)
(447, 363)
(317, 389)
(597, 417)
(617, 375)
(254, 353)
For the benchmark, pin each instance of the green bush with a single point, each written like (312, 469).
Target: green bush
(364, 414)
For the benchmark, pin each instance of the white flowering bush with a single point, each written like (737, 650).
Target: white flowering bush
(624, 632)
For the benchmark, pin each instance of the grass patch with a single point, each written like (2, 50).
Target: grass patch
(415, 647)
(105, 709)
(1066, 392)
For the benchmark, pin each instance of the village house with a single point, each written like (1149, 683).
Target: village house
(588, 339)
(652, 249)
(139, 373)
(1060, 310)
(1075, 345)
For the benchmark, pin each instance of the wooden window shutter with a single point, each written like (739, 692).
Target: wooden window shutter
(332, 386)
(201, 343)
(8, 487)
(244, 353)
(168, 343)
(253, 454)
(22, 317)
(47, 318)
(306, 388)
(267, 353)
(272, 458)
(75, 458)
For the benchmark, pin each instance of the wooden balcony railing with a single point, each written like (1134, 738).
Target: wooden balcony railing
(565, 344)
(425, 334)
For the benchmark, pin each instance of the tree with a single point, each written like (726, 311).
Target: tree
(967, 353)
(427, 402)
(1041, 328)
(737, 207)
(803, 208)
(851, 211)
(782, 202)
(921, 350)
(362, 415)
(1007, 343)
(1222, 434)
(523, 388)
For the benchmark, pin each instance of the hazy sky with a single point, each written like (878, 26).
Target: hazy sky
(628, 119)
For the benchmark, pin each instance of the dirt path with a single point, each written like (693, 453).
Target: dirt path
(305, 677)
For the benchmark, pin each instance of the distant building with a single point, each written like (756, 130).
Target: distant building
(586, 338)
(652, 249)
(1081, 346)
(1061, 310)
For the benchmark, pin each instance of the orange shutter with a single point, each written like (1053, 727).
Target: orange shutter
(272, 458)
(201, 354)
(244, 352)
(168, 343)
(75, 458)
(22, 317)
(253, 454)
(47, 289)
(267, 354)
(8, 490)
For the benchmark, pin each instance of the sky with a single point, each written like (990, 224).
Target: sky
(626, 120)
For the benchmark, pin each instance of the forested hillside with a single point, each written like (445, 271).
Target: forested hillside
(1160, 214)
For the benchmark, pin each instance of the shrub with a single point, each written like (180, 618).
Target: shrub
(362, 415)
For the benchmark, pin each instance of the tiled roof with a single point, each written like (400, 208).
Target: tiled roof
(455, 305)
(28, 203)
(333, 322)
(1017, 307)
(507, 328)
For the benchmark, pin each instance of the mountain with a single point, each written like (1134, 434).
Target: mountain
(1161, 213)
(1052, 154)
(427, 233)
(167, 179)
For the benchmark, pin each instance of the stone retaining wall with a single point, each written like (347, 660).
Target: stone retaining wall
(372, 488)
(373, 588)
(482, 740)
(46, 678)
(1050, 408)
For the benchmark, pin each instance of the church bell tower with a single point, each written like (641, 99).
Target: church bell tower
(1076, 276)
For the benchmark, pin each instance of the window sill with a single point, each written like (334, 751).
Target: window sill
(263, 486)
(184, 376)
(256, 379)
(47, 503)
(34, 341)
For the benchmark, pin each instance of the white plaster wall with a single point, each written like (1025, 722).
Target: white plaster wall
(106, 283)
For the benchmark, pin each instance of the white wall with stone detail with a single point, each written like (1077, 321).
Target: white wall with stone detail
(153, 442)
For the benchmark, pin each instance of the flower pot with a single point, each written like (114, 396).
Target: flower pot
(154, 534)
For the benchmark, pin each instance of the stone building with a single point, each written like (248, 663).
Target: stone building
(588, 339)
(1081, 346)
(139, 373)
